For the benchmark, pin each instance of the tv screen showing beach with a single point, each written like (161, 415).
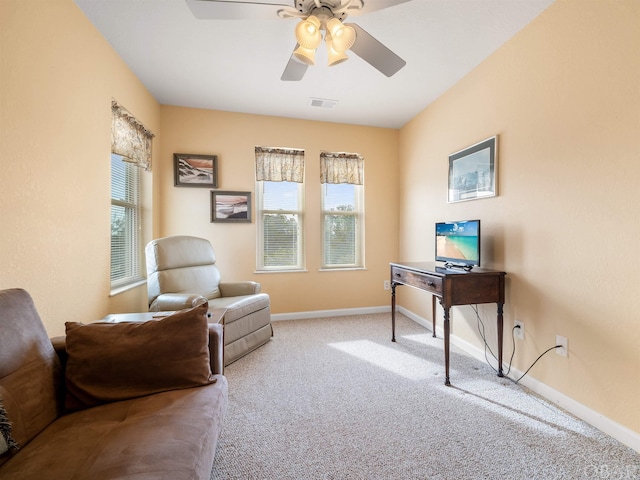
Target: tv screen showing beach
(458, 242)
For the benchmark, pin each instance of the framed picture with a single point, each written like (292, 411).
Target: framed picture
(230, 206)
(195, 170)
(472, 172)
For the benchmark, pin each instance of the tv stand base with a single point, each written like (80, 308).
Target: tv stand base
(466, 268)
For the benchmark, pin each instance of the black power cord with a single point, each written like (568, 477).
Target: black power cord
(486, 347)
(484, 339)
(543, 353)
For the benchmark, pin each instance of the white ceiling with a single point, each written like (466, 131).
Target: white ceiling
(235, 65)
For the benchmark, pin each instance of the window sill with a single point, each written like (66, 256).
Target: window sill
(303, 270)
(341, 269)
(129, 286)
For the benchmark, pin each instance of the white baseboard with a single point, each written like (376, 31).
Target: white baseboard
(275, 317)
(610, 427)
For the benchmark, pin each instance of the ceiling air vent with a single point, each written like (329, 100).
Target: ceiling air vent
(322, 102)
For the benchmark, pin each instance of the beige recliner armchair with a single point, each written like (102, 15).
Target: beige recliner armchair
(182, 269)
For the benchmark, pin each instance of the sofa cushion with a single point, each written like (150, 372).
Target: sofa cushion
(106, 363)
(168, 436)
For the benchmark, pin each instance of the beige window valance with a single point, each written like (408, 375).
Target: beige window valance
(341, 168)
(279, 164)
(130, 138)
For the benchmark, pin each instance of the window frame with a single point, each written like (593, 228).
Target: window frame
(262, 213)
(132, 261)
(359, 243)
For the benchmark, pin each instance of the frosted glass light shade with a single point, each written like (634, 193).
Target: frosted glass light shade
(342, 36)
(308, 33)
(305, 55)
(335, 56)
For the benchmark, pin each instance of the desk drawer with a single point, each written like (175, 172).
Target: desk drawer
(423, 281)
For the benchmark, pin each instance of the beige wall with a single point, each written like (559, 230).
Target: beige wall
(232, 137)
(564, 98)
(58, 76)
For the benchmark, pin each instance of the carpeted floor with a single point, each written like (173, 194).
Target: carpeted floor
(334, 398)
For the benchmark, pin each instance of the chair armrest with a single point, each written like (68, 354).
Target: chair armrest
(176, 301)
(216, 348)
(236, 289)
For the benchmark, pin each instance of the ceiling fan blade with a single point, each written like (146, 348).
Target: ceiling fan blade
(227, 10)
(375, 53)
(372, 6)
(295, 70)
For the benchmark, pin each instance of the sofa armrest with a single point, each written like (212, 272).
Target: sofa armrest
(216, 348)
(236, 289)
(60, 346)
(176, 301)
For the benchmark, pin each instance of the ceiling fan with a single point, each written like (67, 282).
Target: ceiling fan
(315, 17)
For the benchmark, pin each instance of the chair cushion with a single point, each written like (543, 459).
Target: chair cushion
(201, 280)
(108, 362)
(178, 252)
(238, 307)
(181, 264)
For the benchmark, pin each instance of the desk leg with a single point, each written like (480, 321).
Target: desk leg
(446, 346)
(433, 314)
(393, 311)
(500, 328)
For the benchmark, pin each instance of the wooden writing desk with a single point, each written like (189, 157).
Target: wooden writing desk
(451, 287)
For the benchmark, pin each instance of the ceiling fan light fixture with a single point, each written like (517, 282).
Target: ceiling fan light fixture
(308, 33)
(305, 55)
(335, 56)
(343, 36)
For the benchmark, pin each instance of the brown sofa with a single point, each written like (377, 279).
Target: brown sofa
(111, 401)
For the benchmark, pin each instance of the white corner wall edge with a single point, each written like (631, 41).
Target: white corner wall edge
(621, 433)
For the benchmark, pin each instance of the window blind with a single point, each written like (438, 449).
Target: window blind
(125, 223)
(342, 178)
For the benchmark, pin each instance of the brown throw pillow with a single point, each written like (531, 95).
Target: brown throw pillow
(108, 362)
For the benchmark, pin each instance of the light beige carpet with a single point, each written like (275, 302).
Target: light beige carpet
(334, 398)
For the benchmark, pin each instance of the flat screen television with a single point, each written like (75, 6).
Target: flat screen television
(458, 244)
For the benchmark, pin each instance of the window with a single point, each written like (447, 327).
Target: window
(130, 156)
(280, 206)
(342, 210)
(125, 223)
(280, 226)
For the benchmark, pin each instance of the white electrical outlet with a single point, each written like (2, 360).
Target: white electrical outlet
(564, 350)
(518, 332)
(387, 285)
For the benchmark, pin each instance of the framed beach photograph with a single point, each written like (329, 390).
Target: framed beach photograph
(192, 170)
(230, 206)
(472, 172)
